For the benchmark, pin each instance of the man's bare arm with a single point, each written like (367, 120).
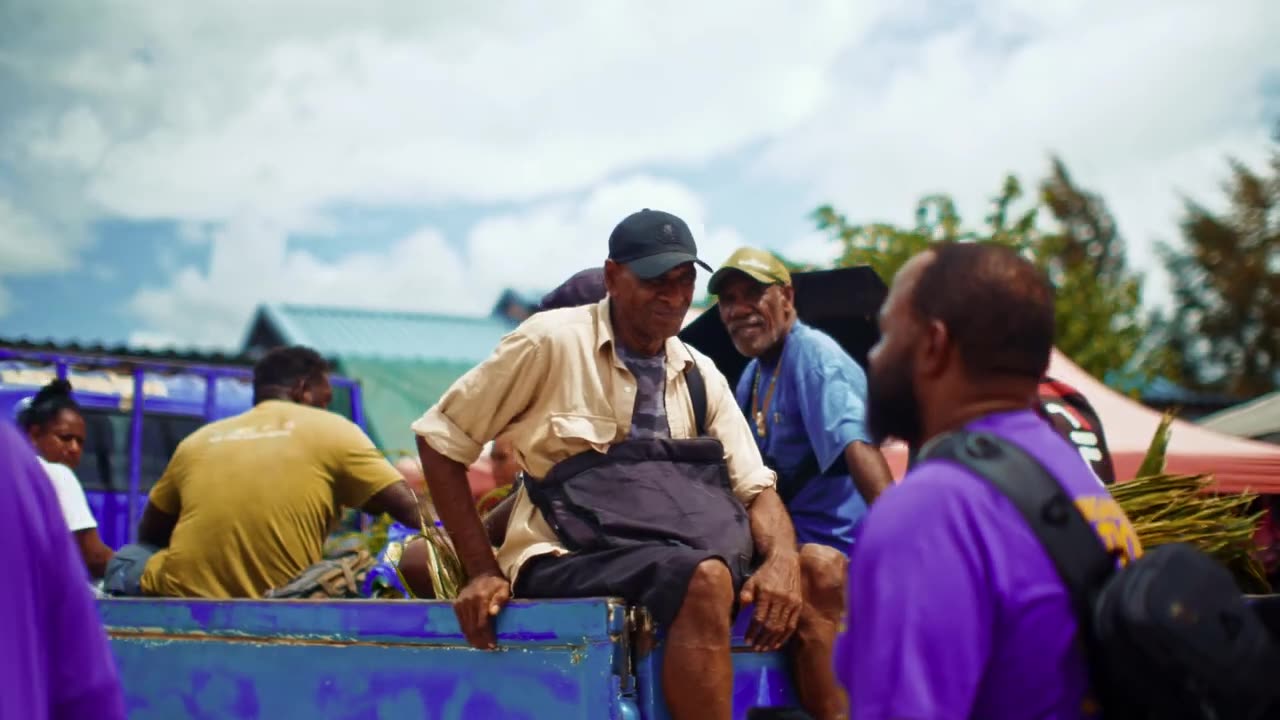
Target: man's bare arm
(487, 589)
(399, 502)
(156, 526)
(867, 466)
(774, 588)
(496, 520)
(451, 493)
(771, 527)
(96, 554)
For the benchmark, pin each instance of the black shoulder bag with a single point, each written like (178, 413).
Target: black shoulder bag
(1169, 635)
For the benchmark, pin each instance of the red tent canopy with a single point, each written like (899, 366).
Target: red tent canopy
(479, 475)
(1236, 464)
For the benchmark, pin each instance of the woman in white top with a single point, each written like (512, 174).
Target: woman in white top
(53, 422)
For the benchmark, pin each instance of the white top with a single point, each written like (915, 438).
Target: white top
(75, 508)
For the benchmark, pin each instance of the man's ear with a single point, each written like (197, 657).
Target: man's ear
(300, 392)
(611, 272)
(788, 292)
(934, 349)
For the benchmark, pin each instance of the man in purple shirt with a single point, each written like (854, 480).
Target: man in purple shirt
(955, 609)
(54, 652)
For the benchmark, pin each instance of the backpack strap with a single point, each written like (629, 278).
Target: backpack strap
(1077, 552)
(1071, 542)
(697, 394)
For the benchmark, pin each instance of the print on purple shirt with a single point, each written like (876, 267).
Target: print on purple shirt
(57, 662)
(955, 610)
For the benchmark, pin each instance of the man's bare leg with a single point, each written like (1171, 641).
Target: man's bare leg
(823, 570)
(697, 671)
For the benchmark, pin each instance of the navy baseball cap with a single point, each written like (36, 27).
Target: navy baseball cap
(652, 242)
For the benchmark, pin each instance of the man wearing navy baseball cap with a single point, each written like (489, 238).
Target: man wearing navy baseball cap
(611, 416)
(651, 242)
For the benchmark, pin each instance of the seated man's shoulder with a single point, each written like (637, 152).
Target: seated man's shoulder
(699, 357)
(819, 350)
(212, 430)
(705, 364)
(283, 417)
(562, 326)
(321, 421)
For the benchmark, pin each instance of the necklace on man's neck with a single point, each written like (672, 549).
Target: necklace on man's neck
(760, 413)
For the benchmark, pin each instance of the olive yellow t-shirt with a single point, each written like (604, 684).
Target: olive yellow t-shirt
(255, 496)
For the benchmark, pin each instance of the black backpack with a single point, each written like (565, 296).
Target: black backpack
(1167, 636)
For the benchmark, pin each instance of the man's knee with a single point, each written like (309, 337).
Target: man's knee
(710, 593)
(823, 570)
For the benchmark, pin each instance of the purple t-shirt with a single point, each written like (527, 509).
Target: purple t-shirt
(955, 609)
(57, 663)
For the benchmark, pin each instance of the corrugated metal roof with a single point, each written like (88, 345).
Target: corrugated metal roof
(397, 392)
(1258, 418)
(124, 353)
(1162, 391)
(349, 332)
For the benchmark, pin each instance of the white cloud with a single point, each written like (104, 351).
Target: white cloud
(225, 113)
(77, 141)
(257, 120)
(1141, 100)
(246, 123)
(537, 249)
(250, 264)
(533, 250)
(27, 244)
(815, 247)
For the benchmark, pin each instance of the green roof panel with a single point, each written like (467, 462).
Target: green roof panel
(396, 392)
(349, 332)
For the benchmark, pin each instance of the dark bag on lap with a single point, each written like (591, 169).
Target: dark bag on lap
(673, 492)
(645, 492)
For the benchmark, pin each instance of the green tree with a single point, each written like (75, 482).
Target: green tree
(1099, 314)
(886, 247)
(1101, 322)
(1226, 285)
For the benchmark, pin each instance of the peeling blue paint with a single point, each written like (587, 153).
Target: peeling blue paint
(394, 660)
(759, 679)
(539, 622)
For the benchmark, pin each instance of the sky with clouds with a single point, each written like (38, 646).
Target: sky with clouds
(165, 167)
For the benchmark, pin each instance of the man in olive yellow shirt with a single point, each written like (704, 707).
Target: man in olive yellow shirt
(246, 502)
(575, 380)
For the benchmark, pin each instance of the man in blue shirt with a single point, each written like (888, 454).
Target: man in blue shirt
(805, 400)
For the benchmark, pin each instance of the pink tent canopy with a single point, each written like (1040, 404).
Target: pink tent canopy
(479, 475)
(1236, 464)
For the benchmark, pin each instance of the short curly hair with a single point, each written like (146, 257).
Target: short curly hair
(996, 305)
(282, 368)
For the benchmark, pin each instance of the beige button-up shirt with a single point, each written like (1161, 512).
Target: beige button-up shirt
(557, 388)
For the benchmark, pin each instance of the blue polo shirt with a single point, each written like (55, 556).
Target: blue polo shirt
(818, 407)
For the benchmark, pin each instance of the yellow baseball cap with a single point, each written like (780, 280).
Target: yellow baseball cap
(760, 265)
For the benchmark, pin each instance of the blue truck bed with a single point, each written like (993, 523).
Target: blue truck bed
(396, 659)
